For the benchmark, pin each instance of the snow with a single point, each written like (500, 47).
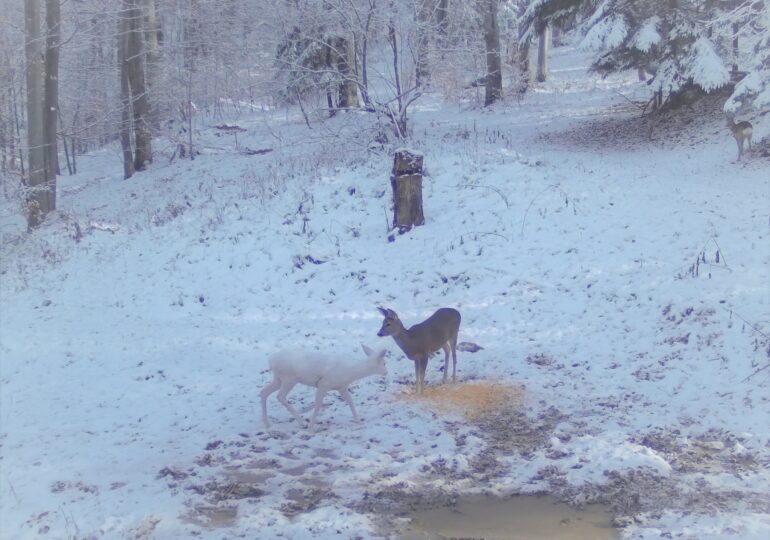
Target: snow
(753, 88)
(648, 35)
(705, 67)
(605, 34)
(136, 325)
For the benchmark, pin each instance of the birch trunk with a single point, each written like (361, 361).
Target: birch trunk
(140, 103)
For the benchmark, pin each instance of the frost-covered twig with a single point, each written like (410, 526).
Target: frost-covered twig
(634, 103)
(556, 187)
(502, 196)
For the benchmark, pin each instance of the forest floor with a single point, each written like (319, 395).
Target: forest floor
(617, 285)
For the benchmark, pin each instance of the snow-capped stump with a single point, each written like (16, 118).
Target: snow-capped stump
(406, 181)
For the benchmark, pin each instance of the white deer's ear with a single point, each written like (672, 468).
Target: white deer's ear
(367, 350)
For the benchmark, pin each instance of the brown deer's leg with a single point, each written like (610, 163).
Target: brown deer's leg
(423, 367)
(446, 360)
(454, 360)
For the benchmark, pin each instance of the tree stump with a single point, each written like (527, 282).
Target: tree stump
(406, 181)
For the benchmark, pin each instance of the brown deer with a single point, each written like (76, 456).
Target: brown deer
(439, 331)
(741, 131)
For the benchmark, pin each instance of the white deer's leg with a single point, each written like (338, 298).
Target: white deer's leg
(285, 389)
(446, 360)
(319, 403)
(264, 394)
(349, 400)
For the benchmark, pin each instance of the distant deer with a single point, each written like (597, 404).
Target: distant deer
(325, 373)
(439, 331)
(741, 131)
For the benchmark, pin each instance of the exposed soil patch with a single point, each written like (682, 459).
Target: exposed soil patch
(211, 517)
(625, 128)
(715, 451)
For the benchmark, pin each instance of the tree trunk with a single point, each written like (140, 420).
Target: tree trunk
(494, 77)
(365, 69)
(347, 92)
(124, 28)
(330, 64)
(523, 61)
(140, 103)
(51, 102)
(152, 29)
(442, 17)
(37, 197)
(556, 34)
(544, 42)
(423, 34)
(393, 40)
(406, 182)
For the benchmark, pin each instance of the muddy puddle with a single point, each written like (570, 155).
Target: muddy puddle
(517, 518)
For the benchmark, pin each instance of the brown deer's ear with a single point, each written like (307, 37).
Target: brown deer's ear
(385, 312)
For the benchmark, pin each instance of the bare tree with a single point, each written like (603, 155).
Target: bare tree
(522, 52)
(151, 32)
(38, 201)
(136, 78)
(442, 17)
(424, 12)
(494, 76)
(544, 41)
(125, 100)
(135, 115)
(51, 88)
(347, 89)
(364, 40)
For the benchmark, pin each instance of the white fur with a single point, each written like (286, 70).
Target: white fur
(323, 372)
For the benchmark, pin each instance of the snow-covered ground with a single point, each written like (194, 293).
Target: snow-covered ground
(620, 283)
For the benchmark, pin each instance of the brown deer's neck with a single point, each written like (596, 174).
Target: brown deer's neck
(405, 341)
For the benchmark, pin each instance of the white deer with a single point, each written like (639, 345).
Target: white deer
(439, 331)
(322, 372)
